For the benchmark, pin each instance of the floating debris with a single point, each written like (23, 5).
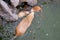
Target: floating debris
(46, 34)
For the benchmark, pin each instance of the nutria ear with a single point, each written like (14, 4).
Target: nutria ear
(36, 8)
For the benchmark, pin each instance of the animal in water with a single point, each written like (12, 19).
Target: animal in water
(22, 27)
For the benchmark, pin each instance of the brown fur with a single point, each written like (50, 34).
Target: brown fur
(24, 24)
(24, 13)
(22, 27)
(36, 8)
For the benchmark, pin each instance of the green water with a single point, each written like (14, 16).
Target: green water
(45, 26)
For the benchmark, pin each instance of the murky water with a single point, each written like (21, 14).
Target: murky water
(45, 26)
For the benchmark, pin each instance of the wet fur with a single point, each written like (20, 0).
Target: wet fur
(22, 27)
(24, 13)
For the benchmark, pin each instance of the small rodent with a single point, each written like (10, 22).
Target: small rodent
(22, 27)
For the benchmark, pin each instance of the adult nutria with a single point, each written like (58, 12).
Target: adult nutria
(22, 27)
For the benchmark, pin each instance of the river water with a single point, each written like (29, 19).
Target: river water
(45, 26)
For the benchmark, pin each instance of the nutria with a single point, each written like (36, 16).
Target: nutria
(22, 27)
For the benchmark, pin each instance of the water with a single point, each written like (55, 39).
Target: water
(45, 26)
